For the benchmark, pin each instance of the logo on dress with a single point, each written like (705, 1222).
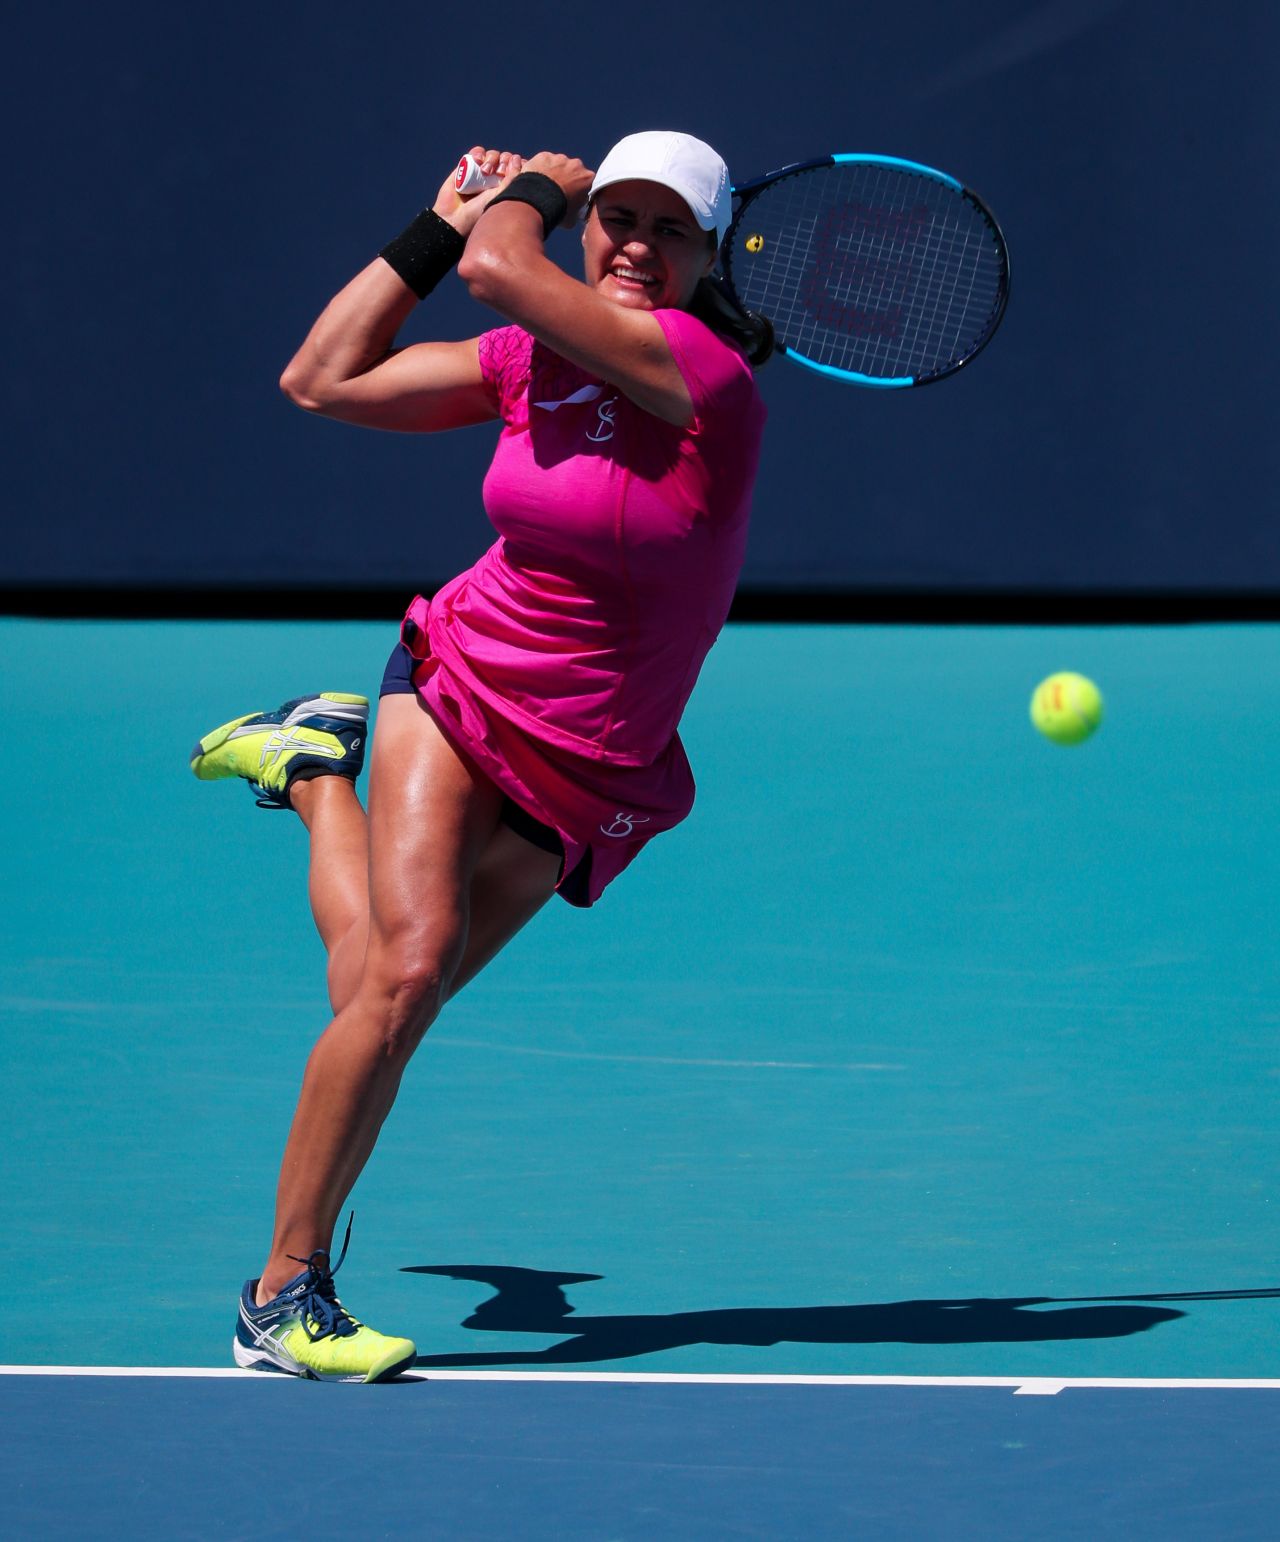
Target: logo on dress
(622, 823)
(604, 428)
(587, 393)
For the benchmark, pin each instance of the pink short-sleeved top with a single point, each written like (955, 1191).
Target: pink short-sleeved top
(560, 663)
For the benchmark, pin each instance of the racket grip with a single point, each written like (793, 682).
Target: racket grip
(469, 179)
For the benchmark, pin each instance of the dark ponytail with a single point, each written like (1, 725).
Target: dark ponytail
(715, 307)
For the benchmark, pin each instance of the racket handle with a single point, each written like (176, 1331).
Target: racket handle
(469, 179)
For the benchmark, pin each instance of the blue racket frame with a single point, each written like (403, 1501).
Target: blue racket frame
(747, 191)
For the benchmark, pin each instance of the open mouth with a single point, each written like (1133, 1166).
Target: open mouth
(632, 278)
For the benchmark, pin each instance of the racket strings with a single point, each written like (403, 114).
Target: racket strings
(870, 269)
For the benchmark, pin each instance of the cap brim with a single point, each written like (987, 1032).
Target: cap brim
(702, 218)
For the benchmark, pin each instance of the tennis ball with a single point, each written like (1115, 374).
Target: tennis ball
(755, 244)
(1066, 708)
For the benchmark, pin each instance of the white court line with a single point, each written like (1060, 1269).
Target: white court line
(739, 1065)
(1026, 1386)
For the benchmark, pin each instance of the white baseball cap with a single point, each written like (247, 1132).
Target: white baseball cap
(680, 162)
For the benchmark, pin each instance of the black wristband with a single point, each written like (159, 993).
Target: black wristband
(424, 251)
(540, 193)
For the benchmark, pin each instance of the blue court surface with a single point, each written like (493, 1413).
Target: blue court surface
(891, 1153)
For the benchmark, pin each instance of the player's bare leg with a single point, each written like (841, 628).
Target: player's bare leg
(337, 876)
(512, 882)
(433, 819)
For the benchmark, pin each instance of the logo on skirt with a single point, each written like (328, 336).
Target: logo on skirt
(622, 825)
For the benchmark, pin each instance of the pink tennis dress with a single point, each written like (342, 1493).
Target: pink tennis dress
(561, 662)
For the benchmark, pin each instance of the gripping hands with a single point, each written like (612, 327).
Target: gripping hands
(462, 203)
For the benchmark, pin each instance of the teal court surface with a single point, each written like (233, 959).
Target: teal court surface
(891, 1153)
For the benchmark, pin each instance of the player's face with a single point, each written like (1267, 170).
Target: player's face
(643, 248)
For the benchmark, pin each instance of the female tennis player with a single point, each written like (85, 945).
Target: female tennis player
(527, 739)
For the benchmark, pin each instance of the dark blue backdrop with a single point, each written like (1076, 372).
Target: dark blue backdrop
(191, 185)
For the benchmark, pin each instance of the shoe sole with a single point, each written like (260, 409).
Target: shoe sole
(263, 1360)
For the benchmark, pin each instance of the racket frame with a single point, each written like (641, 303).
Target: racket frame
(747, 191)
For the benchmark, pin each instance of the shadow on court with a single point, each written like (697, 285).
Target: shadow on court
(534, 1301)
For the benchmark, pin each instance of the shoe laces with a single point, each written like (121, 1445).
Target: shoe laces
(317, 1299)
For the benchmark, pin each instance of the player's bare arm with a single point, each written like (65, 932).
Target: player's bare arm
(349, 368)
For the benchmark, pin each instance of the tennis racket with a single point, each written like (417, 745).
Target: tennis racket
(873, 270)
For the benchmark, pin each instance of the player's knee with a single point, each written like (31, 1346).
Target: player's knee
(410, 987)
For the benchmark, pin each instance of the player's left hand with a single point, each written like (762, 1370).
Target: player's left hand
(462, 213)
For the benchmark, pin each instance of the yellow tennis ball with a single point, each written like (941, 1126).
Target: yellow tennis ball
(755, 244)
(1066, 708)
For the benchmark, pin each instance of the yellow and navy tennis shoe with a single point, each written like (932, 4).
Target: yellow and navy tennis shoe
(306, 1331)
(309, 736)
